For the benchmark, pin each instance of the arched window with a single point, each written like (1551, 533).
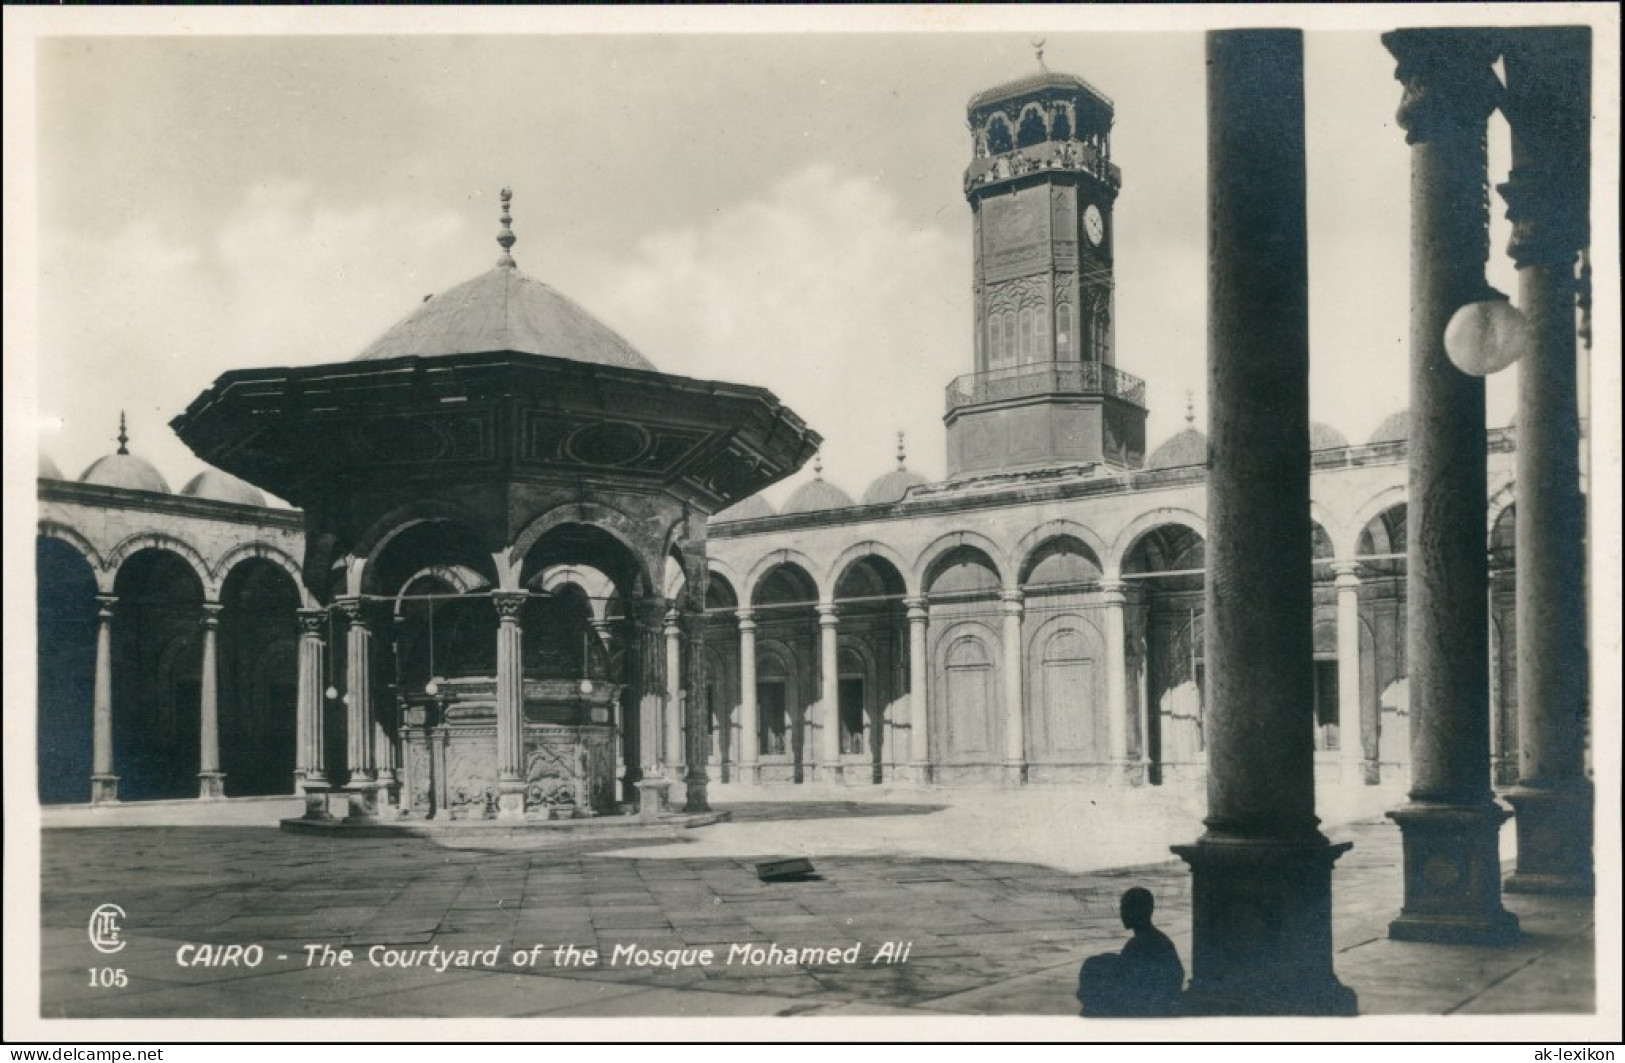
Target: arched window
(1041, 329)
(1032, 128)
(1061, 127)
(998, 136)
(1029, 345)
(1063, 331)
(1008, 351)
(995, 340)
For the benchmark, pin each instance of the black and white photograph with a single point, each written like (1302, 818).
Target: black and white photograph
(1077, 523)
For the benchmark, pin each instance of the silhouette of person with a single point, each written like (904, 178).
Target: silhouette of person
(1145, 978)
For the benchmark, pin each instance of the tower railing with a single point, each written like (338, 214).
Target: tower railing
(1039, 378)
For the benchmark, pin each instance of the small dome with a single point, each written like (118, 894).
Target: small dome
(1187, 448)
(126, 471)
(1038, 81)
(223, 487)
(815, 495)
(746, 509)
(1395, 428)
(48, 469)
(892, 486)
(1323, 436)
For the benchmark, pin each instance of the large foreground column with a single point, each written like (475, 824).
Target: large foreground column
(1451, 822)
(103, 783)
(1261, 874)
(919, 704)
(311, 762)
(749, 771)
(510, 706)
(211, 780)
(1549, 95)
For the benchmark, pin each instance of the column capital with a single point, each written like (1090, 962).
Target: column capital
(1548, 107)
(311, 621)
(917, 608)
(671, 621)
(508, 605)
(353, 611)
(1546, 229)
(1450, 87)
(211, 614)
(746, 619)
(827, 614)
(1347, 573)
(1010, 601)
(1114, 591)
(104, 605)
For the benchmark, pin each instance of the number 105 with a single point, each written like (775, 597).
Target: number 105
(108, 978)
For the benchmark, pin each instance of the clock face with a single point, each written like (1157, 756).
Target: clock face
(1094, 226)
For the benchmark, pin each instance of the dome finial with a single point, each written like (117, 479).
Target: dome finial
(123, 436)
(506, 238)
(901, 453)
(1190, 408)
(1038, 48)
(818, 464)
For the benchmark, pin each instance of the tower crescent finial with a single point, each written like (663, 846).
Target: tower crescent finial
(1038, 47)
(505, 238)
(123, 436)
(901, 453)
(818, 464)
(1190, 408)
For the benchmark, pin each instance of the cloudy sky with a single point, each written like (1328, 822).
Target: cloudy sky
(775, 208)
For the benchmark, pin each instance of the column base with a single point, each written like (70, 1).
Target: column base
(211, 785)
(1261, 928)
(311, 781)
(363, 802)
(104, 789)
(1452, 875)
(316, 803)
(749, 774)
(695, 799)
(1554, 826)
(920, 772)
(511, 804)
(1013, 773)
(1373, 773)
(653, 797)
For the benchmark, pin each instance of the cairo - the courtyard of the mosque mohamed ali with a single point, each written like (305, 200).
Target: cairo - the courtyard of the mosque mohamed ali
(475, 676)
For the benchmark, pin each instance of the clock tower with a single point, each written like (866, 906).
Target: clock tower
(1046, 390)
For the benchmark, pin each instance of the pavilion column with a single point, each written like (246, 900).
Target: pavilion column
(1350, 732)
(672, 707)
(103, 783)
(697, 716)
(749, 749)
(1114, 598)
(605, 634)
(649, 660)
(1548, 74)
(919, 701)
(211, 780)
(311, 761)
(1261, 874)
(1451, 822)
(510, 705)
(1015, 730)
(829, 684)
(362, 786)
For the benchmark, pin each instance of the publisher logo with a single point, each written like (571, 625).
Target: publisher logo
(107, 928)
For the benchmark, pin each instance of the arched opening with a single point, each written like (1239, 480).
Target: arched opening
(1504, 648)
(157, 684)
(1032, 129)
(1380, 551)
(1165, 573)
(999, 136)
(874, 667)
(962, 590)
(1066, 660)
(1061, 125)
(1329, 725)
(721, 693)
(65, 625)
(259, 678)
(785, 603)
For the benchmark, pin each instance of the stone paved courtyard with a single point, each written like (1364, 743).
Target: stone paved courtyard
(985, 937)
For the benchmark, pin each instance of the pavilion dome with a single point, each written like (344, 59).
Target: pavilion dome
(48, 469)
(125, 470)
(1323, 436)
(1395, 428)
(749, 508)
(1037, 81)
(892, 486)
(223, 487)
(504, 310)
(1189, 447)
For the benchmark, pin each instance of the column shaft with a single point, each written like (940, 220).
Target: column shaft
(1116, 679)
(311, 761)
(829, 686)
(1261, 874)
(510, 705)
(1548, 75)
(358, 696)
(919, 701)
(211, 780)
(1015, 718)
(672, 708)
(103, 783)
(749, 749)
(1350, 737)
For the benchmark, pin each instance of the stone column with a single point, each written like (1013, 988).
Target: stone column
(919, 701)
(362, 785)
(312, 759)
(672, 708)
(749, 747)
(1112, 594)
(103, 783)
(1451, 822)
(696, 714)
(1015, 729)
(1261, 874)
(1548, 74)
(211, 780)
(510, 705)
(829, 686)
(1350, 734)
(605, 633)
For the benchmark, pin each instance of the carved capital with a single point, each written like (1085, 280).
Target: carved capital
(1114, 592)
(104, 606)
(311, 622)
(1450, 88)
(1549, 223)
(1011, 602)
(1347, 575)
(828, 614)
(211, 614)
(353, 609)
(509, 604)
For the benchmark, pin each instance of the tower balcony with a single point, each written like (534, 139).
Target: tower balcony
(1072, 156)
(1045, 378)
